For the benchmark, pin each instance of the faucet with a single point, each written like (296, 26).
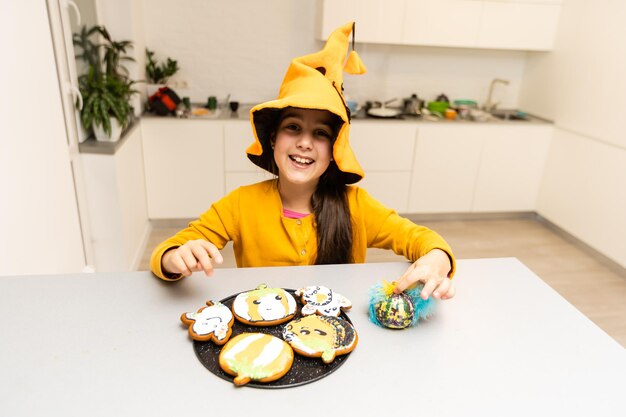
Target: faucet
(489, 105)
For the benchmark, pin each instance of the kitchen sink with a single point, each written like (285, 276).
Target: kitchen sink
(514, 115)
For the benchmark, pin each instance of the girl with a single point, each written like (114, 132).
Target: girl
(308, 214)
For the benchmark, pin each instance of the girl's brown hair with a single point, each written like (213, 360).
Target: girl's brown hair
(330, 205)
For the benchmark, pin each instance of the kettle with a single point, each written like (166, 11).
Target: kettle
(413, 106)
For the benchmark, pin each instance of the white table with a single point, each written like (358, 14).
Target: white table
(112, 344)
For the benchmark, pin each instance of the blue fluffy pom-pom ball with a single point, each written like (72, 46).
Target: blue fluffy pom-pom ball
(398, 311)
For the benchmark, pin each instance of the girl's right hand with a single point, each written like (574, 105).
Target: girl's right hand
(195, 255)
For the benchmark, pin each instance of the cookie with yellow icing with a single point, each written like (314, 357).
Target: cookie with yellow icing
(318, 299)
(212, 322)
(255, 357)
(264, 306)
(320, 336)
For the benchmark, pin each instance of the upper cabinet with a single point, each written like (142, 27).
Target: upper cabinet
(499, 24)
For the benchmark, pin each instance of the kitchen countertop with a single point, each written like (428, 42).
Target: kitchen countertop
(112, 344)
(91, 146)
(243, 113)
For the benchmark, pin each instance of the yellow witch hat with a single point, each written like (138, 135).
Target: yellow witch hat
(313, 81)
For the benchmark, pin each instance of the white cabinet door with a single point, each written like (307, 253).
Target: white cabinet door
(239, 170)
(385, 151)
(447, 158)
(502, 24)
(376, 21)
(511, 167)
(184, 164)
(390, 188)
(237, 137)
(442, 22)
(516, 25)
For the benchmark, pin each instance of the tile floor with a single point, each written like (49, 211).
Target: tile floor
(596, 289)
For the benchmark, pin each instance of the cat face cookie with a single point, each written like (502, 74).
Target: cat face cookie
(255, 356)
(264, 306)
(213, 322)
(320, 336)
(322, 300)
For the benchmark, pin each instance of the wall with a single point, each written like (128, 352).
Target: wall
(244, 47)
(581, 86)
(39, 224)
(124, 21)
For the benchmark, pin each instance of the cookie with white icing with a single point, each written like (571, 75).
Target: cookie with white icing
(264, 306)
(213, 322)
(322, 300)
(256, 357)
(320, 336)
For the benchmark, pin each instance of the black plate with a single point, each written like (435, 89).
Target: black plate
(303, 371)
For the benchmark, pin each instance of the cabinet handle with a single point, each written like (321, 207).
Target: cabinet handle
(70, 4)
(76, 95)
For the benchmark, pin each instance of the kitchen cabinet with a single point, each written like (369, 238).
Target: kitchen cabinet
(502, 24)
(39, 202)
(478, 167)
(524, 25)
(377, 21)
(412, 167)
(184, 166)
(385, 151)
(442, 23)
(116, 197)
(446, 166)
(238, 168)
(511, 167)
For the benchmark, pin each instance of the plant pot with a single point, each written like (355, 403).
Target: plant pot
(116, 132)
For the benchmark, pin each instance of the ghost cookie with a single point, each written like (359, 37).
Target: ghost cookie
(322, 300)
(257, 357)
(264, 306)
(320, 336)
(213, 322)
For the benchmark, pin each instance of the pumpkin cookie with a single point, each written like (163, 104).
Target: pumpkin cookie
(255, 356)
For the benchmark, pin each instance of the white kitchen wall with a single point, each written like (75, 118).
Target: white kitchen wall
(581, 86)
(244, 47)
(124, 20)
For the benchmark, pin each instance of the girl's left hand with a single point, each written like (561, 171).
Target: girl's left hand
(431, 269)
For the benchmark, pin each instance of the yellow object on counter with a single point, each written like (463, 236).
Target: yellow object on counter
(450, 114)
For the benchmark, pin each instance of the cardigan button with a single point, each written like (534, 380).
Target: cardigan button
(303, 252)
(298, 222)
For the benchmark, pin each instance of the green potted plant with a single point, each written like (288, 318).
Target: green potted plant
(105, 87)
(158, 73)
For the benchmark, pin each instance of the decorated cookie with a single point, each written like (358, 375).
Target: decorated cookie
(320, 336)
(213, 322)
(322, 300)
(264, 306)
(256, 356)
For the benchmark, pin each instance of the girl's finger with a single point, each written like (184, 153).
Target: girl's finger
(451, 292)
(428, 289)
(213, 251)
(179, 265)
(442, 289)
(190, 260)
(203, 261)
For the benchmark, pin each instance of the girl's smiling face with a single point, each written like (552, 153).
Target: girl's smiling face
(303, 145)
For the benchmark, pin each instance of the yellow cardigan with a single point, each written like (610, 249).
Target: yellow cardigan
(251, 216)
